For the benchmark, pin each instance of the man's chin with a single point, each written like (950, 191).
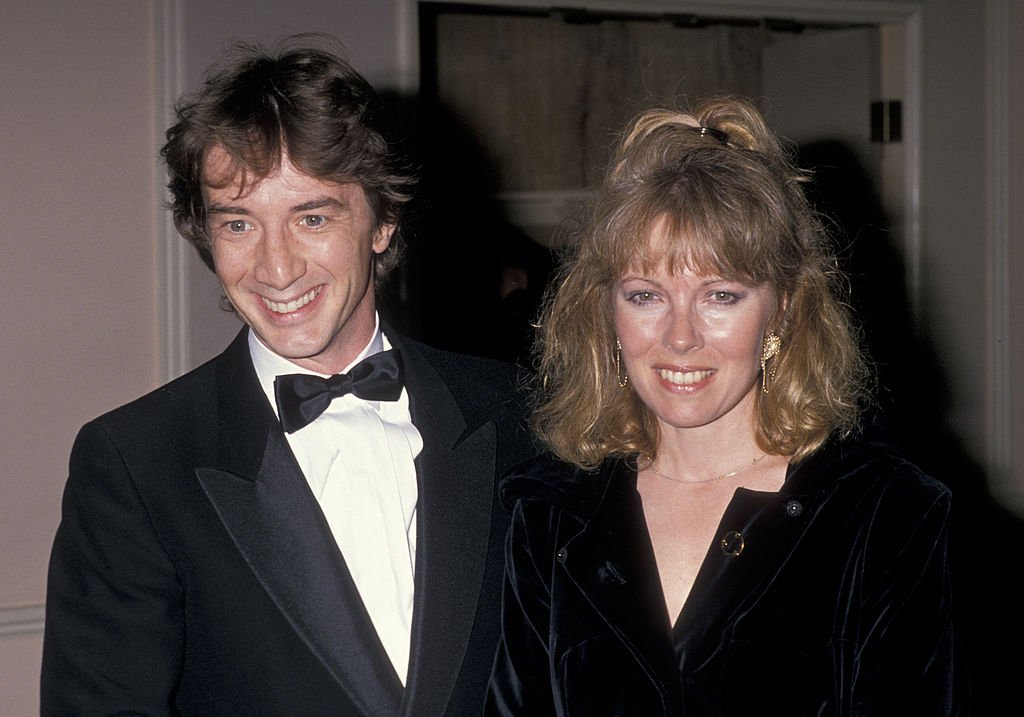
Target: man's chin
(294, 349)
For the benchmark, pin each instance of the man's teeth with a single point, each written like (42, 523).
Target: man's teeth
(683, 378)
(288, 307)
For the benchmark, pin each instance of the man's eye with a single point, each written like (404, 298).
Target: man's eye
(314, 220)
(238, 226)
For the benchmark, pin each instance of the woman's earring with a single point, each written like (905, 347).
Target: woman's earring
(623, 378)
(772, 346)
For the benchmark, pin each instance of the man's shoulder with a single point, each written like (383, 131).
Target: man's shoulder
(185, 398)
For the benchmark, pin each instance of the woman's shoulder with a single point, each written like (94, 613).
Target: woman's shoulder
(868, 464)
(548, 481)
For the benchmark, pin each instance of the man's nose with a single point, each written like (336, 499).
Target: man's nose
(278, 262)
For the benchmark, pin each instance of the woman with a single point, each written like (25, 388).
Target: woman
(715, 535)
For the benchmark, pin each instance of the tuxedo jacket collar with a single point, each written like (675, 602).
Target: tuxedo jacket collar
(453, 523)
(604, 560)
(265, 503)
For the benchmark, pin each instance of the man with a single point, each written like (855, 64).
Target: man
(254, 539)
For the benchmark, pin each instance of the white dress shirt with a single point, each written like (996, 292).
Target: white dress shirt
(358, 458)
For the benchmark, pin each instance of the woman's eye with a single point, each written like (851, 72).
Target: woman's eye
(313, 221)
(641, 297)
(724, 297)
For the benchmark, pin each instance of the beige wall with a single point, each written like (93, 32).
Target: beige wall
(78, 209)
(1015, 239)
(80, 232)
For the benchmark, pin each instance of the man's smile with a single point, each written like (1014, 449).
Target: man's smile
(279, 307)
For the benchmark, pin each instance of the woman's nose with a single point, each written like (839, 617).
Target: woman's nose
(682, 333)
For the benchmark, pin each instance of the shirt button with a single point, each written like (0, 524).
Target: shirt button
(561, 555)
(794, 508)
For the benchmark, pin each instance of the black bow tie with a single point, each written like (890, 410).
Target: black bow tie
(301, 397)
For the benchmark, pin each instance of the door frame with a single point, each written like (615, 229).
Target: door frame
(901, 17)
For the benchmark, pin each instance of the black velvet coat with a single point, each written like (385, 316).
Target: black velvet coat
(837, 604)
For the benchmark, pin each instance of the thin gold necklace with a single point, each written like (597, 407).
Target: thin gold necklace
(709, 480)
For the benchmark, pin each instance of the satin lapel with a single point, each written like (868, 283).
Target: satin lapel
(263, 500)
(456, 494)
(612, 562)
(728, 585)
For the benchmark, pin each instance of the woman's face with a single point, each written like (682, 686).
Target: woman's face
(692, 345)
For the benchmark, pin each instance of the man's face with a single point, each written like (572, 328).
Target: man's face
(294, 256)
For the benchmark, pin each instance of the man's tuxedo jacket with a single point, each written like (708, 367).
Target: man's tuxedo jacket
(194, 573)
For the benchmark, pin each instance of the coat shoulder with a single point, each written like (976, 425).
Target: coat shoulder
(882, 496)
(183, 400)
(545, 483)
(868, 466)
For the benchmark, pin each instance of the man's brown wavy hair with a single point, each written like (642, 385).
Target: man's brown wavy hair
(301, 101)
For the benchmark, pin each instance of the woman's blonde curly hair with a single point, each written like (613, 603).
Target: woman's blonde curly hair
(723, 197)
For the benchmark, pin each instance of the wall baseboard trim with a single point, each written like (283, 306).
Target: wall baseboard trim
(21, 620)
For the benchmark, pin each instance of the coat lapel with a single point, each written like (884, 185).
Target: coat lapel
(265, 504)
(611, 560)
(456, 498)
(729, 585)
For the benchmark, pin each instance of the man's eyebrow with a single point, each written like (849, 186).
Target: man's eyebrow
(217, 208)
(311, 205)
(320, 203)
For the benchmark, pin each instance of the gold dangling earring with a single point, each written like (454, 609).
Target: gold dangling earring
(772, 346)
(623, 378)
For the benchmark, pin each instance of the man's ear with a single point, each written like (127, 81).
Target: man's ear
(382, 238)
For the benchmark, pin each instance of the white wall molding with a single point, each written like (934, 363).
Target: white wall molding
(913, 81)
(172, 257)
(855, 11)
(24, 620)
(870, 11)
(998, 42)
(407, 46)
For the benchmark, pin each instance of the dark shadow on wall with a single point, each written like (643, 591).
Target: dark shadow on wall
(913, 400)
(471, 280)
